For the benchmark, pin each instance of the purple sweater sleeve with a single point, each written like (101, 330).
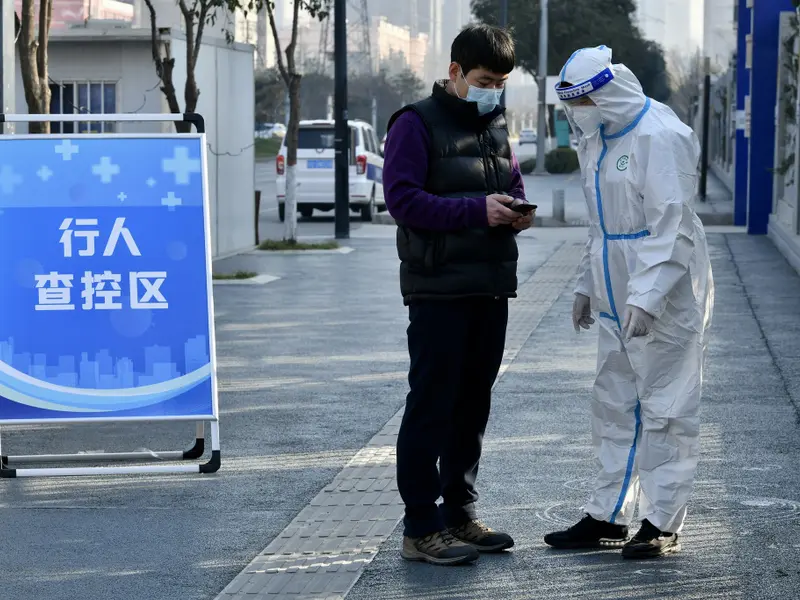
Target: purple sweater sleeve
(517, 185)
(405, 172)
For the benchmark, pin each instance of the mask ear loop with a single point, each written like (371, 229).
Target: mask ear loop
(455, 87)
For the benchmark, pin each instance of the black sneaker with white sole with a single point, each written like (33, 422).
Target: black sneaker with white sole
(589, 534)
(651, 542)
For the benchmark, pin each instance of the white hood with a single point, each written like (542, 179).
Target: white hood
(621, 100)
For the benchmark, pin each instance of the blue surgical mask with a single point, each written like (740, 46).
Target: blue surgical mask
(487, 99)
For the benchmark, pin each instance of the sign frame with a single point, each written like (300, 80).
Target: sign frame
(198, 449)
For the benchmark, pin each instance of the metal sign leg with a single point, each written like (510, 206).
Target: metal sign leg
(195, 452)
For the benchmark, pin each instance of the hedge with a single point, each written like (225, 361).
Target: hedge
(561, 160)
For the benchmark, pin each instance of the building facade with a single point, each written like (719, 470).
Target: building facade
(72, 12)
(395, 48)
(719, 31)
(676, 25)
(94, 69)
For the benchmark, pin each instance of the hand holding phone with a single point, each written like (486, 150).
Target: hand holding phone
(524, 208)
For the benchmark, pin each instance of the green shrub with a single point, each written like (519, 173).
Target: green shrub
(561, 160)
(527, 166)
(267, 147)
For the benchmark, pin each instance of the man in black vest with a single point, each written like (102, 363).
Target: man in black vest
(450, 181)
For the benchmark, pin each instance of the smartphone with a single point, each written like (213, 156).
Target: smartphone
(524, 208)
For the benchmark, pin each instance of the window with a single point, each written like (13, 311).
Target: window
(369, 140)
(79, 97)
(355, 142)
(316, 138)
(375, 142)
(324, 138)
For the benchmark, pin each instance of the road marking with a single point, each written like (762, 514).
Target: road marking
(341, 250)
(323, 551)
(257, 280)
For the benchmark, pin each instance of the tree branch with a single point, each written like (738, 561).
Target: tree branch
(274, 27)
(205, 6)
(188, 24)
(154, 38)
(293, 43)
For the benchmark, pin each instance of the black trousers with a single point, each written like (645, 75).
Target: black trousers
(456, 348)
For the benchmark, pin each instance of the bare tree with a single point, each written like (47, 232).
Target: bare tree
(32, 37)
(197, 14)
(686, 83)
(291, 78)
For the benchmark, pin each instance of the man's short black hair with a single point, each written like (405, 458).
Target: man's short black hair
(484, 46)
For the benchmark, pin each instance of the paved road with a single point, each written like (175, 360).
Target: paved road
(321, 225)
(310, 367)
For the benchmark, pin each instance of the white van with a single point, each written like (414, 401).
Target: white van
(315, 169)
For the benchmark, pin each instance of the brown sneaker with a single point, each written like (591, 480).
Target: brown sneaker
(438, 548)
(482, 538)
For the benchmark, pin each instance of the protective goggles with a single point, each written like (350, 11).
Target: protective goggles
(587, 87)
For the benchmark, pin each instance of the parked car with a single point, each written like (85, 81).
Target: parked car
(277, 130)
(268, 130)
(315, 170)
(527, 136)
(263, 130)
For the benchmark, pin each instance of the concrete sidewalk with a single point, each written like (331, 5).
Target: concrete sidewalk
(312, 374)
(741, 539)
(717, 208)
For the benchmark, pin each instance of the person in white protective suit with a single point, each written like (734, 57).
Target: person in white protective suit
(646, 275)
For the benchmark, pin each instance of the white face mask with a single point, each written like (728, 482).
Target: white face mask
(587, 118)
(487, 99)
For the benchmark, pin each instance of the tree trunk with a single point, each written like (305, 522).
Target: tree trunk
(45, 16)
(193, 40)
(165, 65)
(292, 135)
(33, 60)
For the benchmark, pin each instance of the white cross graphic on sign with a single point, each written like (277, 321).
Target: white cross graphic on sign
(8, 179)
(66, 150)
(181, 165)
(150, 182)
(122, 196)
(171, 201)
(105, 169)
(44, 173)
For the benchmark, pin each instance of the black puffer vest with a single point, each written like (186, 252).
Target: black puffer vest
(469, 156)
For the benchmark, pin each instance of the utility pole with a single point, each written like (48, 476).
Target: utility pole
(542, 129)
(504, 25)
(342, 140)
(706, 110)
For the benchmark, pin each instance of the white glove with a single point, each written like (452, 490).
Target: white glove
(582, 313)
(637, 322)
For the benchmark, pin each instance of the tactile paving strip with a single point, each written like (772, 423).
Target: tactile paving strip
(322, 552)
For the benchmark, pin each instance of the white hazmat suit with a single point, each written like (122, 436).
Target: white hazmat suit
(646, 261)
